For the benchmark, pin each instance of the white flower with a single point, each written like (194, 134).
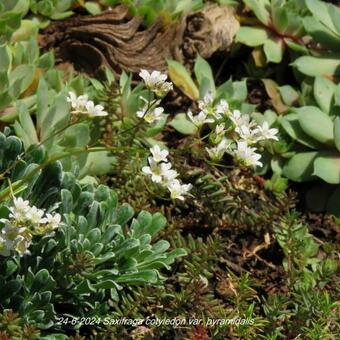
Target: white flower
(95, 110)
(5, 246)
(169, 176)
(200, 119)
(206, 104)
(14, 239)
(264, 132)
(150, 115)
(241, 120)
(222, 108)
(158, 154)
(35, 215)
(217, 152)
(156, 170)
(247, 154)
(246, 133)
(219, 129)
(178, 190)
(156, 82)
(24, 222)
(21, 245)
(77, 103)
(20, 209)
(53, 221)
(153, 78)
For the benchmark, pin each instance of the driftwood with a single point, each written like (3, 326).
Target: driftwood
(119, 41)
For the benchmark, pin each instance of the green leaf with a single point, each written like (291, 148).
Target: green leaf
(181, 124)
(146, 276)
(316, 124)
(251, 36)
(273, 49)
(27, 124)
(289, 95)
(10, 288)
(313, 66)
(240, 91)
(46, 61)
(322, 34)
(42, 102)
(182, 79)
(158, 223)
(337, 132)
(158, 127)
(5, 59)
(107, 284)
(202, 71)
(27, 29)
(321, 12)
(259, 7)
(295, 46)
(124, 214)
(337, 95)
(327, 166)
(92, 7)
(323, 93)
(292, 126)
(98, 164)
(334, 13)
(76, 136)
(279, 17)
(41, 279)
(300, 167)
(20, 79)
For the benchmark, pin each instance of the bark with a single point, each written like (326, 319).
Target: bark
(119, 41)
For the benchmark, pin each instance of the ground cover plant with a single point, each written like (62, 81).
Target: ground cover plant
(169, 169)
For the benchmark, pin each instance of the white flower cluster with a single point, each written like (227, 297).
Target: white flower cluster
(83, 105)
(156, 83)
(160, 171)
(230, 124)
(24, 222)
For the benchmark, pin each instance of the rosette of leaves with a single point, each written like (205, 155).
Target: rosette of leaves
(25, 92)
(29, 173)
(52, 127)
(61, 9)
(93, 255)
(21, 66)
(279, 24)
(11, 14)
(53, 9)
(151, 9)
(315, 154)
(322, 24)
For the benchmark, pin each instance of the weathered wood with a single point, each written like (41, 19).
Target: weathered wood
(119, 41)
